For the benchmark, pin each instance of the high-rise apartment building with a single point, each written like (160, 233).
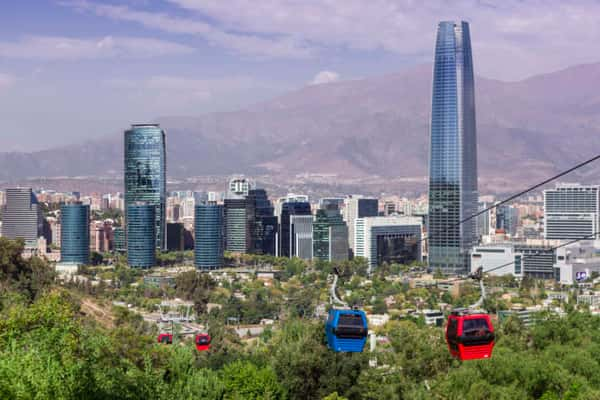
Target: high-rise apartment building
(358, 207)
(75, 233)
(394, 239)
(571, 211)
(453, 151)
(146, 173)
(261, 223)
(141, 235)
(208, 228)
(21, 216)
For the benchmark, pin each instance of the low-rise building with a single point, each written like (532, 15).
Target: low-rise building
(577, 262)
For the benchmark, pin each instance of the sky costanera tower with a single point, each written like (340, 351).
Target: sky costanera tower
(453, 151)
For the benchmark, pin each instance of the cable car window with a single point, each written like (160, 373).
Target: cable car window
(203, 340)
(476, 332)
(475, 327)
(351, 320)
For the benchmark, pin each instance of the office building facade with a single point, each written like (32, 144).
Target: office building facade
(535, 261)
(119, 242)
(507, 219)
(146, 173)
(358, 207)
(287, 233)
(501, 259)
(330, 236)
(395, 239)
(175, 236)
(453, 152)
(75, 233)
(571, 211)
(21, 216)
(301, 236)
(235, 225)
(208, 227)
(261, 223)
(141, 235)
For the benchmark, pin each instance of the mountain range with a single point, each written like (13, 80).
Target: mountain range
(376, 126)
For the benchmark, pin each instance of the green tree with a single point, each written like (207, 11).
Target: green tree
(246, 381)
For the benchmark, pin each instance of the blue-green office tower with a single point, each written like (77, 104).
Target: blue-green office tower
(141, 234)
(209, 240)
(453, 151)
(75, 233)
(146, 173)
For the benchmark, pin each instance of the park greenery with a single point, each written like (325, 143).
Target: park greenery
(51, 347)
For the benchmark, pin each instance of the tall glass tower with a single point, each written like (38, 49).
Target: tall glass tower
(453, 151)
(208, 227)
(75, 233)
(145, 173)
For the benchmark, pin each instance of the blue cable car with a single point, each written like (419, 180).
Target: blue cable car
(346, 330)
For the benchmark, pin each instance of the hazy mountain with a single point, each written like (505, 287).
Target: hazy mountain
(374, 126)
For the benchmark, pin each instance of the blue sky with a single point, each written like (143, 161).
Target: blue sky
(72, 70)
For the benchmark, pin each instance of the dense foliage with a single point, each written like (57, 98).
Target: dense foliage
(49, 349)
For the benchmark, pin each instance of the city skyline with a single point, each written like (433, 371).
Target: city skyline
(145, 60)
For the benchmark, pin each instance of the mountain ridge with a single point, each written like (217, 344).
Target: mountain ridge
(363, 127)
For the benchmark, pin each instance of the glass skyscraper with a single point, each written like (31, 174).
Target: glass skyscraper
(145, 173)
(75, 233)
(330, 235)
(287, 240)
(261, 223)
(453, 151)
(208, 227)
(141, 234)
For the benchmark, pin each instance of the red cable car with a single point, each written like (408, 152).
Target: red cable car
(202, 341)
(470, 335)
(165, 338)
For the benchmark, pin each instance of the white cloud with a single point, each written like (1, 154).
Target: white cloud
(248, 44)
(511, 38)
(65, 48)
(325, 77)
(6, 80)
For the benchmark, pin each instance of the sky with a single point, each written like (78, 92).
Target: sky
(77, 70)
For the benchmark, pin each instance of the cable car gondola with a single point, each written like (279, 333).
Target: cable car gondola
(346, 329)
(470, 333)
(165, 338)
(202, 341)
